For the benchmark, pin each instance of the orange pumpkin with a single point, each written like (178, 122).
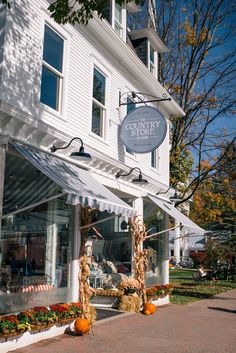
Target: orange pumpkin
(147, 312)
(82, 326)
(149, 307)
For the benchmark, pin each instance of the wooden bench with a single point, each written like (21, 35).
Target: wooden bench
(199, 279)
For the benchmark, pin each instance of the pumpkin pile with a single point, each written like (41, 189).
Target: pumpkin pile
(149, 309)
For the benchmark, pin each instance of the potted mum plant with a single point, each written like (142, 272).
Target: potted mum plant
(9, 325)
(43, 317)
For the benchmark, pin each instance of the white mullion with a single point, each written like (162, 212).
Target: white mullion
(51, 68)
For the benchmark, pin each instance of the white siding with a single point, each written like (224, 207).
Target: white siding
(21, 84)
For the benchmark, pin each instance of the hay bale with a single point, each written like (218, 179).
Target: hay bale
(129, 303)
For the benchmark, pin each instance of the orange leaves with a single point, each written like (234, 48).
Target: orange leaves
(205, 165)
(190, 34)
(192, 37)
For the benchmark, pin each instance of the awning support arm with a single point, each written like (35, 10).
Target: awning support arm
(94, 223)
(163, 231)
(34, 205)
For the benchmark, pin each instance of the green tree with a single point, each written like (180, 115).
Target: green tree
(76, 11)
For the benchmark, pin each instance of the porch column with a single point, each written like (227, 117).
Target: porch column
(177, 242)
(2, 173)
(75, 255)
(165, 263)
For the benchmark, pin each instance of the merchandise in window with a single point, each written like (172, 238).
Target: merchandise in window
(52, 70)
(98, 108)
(155, 245)
(35, 239)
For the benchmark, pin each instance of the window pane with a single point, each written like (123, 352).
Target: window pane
(151, 54)
(97, 120)
(49, 88)
(99, 86)
(118, 13)
(53, 49)
(36, 243)
(130, 108)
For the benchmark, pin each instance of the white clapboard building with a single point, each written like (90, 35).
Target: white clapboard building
(64, 85)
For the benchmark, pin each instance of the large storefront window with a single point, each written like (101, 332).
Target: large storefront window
(110, 247)
(154, 221)
(35, 239)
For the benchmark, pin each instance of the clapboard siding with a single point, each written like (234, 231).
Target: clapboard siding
(22, 75)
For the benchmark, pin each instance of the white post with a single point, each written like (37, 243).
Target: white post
(2, 173)
(75, 256)
(177, 242)
(165, 263)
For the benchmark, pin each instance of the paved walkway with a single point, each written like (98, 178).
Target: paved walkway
(207, 326)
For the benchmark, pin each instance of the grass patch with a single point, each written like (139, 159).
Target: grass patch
(186, 291)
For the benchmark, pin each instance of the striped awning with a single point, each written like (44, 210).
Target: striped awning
(81, 187)
(169, 208)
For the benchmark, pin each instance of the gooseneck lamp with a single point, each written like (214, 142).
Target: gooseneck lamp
(79, 155)
(139, 180)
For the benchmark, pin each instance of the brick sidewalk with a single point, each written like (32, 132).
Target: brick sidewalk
(206, 326)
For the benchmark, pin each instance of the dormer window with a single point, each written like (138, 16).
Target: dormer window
(147, 44)
(118, 19)
(152, 60)
(115, 14)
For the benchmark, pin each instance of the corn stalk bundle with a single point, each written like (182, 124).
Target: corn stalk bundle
(140, 256)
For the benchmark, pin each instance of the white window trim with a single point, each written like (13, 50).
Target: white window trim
(150, 63)
(104, 72)
(61, 113)
(114, 21)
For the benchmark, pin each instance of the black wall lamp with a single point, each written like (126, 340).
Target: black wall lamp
(79, 155)
(138, 180)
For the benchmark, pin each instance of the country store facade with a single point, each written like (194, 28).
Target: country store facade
(63, 85)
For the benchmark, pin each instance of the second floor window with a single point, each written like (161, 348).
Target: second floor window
(52, 70)
(130, 108)
(99, 101)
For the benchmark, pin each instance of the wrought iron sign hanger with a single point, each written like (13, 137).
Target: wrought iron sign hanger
(127, 98)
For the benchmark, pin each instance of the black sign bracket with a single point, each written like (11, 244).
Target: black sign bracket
(128, 98)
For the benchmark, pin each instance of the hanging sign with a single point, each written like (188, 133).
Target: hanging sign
(143, 130)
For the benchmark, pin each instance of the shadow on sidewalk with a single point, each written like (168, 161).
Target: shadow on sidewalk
(222, 309)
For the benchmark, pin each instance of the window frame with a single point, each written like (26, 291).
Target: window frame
(127, 151)
(60, 75)
(152, 65)
(99, 104)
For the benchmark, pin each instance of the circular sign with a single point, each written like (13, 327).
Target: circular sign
(143, 130)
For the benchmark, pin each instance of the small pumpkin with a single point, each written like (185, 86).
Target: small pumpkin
(149, 307)
(82, 326)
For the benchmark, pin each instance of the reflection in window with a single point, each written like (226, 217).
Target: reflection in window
(35, 238)
(98, 106)
(154, 222)
(52, 70)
